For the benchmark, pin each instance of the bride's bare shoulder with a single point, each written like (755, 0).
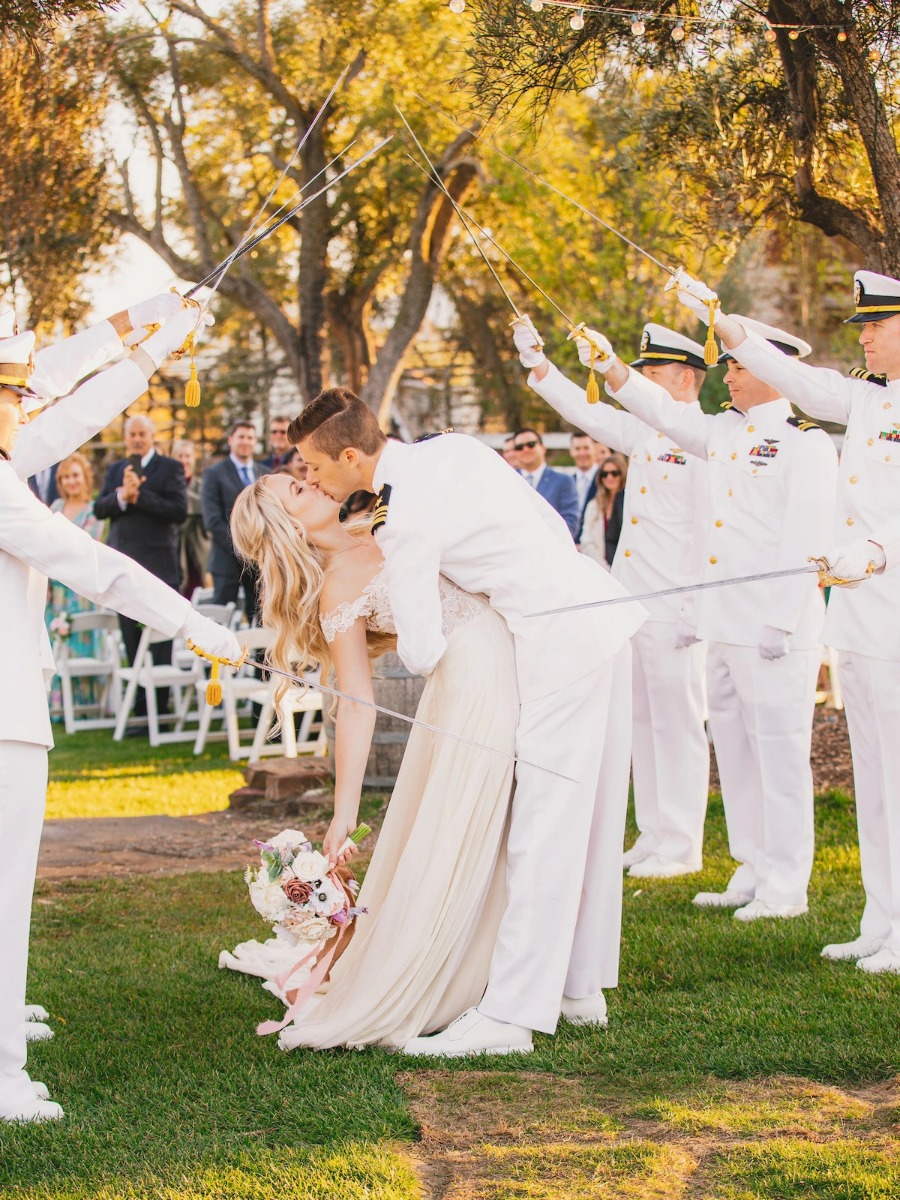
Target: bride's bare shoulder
(347, 581)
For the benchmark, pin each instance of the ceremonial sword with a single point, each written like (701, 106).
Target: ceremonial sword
(265, 668)
(818, 565)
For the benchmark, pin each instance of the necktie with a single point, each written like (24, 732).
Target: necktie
(530, 479)
(246, 476)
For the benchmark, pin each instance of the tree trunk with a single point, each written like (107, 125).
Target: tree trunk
(428, 240)
(313, 272)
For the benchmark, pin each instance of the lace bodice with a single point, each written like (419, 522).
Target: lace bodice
(457, 607)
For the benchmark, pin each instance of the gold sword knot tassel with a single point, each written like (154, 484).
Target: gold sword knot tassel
(711, 350)
(214, 684)
(592, 390)
(828, 579)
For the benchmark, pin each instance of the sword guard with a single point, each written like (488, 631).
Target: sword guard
(522, 319)
(827, 579)
(578, 331)
(214, 686)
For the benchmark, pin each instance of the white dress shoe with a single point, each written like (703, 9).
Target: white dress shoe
(37, 1031)
(36, 1012)
(590, 1010)
(859, 948)
(32, 1110)
(657, 867)
(724, 899)
(881, 962)
(473, 1033)
(758, 910)
(635, 855)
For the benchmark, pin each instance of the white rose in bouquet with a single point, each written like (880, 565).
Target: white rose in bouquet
(268, 898)
(289, 840)
(310, 865)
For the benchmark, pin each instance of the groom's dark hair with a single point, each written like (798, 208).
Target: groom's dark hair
(336, 419)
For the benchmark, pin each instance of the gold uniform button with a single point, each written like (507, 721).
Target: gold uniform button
(713, 559)
(665, 477)
(634, 520)
(628, 554)
(643, 489)
(887, 404)
(712, 454)
(733, 456)
(730, 492)
(718, 524)
(849, 520)
(869, 441)
(751, 429)
(887, 458)
(853, 479)
(649, 459)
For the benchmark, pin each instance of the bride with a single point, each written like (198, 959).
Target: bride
(435, 889)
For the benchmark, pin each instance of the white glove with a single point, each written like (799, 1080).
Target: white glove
(852, 562)
(604, 355)
(156, 310)
(528, 342)
(174, 333)
(685, 635)
(774, 643)
(215, 639)
(692, 293)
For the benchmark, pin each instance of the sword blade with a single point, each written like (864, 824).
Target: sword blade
(390, 712)
(534, 175)
(466, 216)
(678, 591)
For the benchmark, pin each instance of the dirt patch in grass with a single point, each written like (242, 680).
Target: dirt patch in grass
(504, 1136)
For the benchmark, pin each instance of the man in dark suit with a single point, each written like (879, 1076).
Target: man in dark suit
(555, 486)
(281, 447)
(144, 498)
(221, 486)
(581, 447)
(44, 485)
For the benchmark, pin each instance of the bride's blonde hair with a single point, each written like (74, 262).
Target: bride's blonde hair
(292, 572)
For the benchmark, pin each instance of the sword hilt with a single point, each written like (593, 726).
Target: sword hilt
(214, 685)
(828, 579)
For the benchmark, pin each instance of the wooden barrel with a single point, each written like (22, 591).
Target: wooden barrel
(394, 688)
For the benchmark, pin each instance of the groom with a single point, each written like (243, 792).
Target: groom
(449, 505)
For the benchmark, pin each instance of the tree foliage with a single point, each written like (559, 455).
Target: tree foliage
(800, 126)
(32, 21)
(53, 182)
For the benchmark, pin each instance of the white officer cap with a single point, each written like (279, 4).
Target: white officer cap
(16, 365)
(786, 342)
(875, 296)
(661, 345)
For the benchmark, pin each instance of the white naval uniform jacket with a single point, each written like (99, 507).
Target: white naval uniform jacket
(666, 498)
(456, 508)
(862, 620)
(771, 506)
(35, 544)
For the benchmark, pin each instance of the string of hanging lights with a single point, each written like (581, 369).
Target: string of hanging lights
(682, 25)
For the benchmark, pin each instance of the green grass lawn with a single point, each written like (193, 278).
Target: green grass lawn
(737, 1065)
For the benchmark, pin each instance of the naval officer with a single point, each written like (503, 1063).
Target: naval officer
(666, 503)
(862, 622)
(35, 544)
(772, 481)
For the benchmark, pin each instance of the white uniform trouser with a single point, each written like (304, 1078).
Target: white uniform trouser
(561, 930)
(23, 790)
(872, 702)
(760, 716)
(670, 751)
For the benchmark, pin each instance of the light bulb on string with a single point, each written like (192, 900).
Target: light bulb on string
(794, 34)
(577, 21)
(770, 35)
(638, 28)
(457, 6)
(678, 32)
(536, 5)
(842, 36)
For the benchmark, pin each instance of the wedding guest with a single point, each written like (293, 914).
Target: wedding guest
(280, 446)
(75, 482)
(193, 540)
(509, 451)
(603, 515)
(292, 464)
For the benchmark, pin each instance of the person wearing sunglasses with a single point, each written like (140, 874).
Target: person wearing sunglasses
(555, 486)
(604, 513)
(651, 539)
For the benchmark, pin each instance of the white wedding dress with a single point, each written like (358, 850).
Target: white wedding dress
(435, 888)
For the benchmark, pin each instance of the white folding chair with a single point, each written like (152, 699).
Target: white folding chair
(102, 667)
(309, 739)
(238, 688)
(834, 696)
(202, 595)
(149, 675)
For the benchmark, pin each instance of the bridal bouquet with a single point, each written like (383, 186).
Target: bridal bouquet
(308, 905)
(295, 891)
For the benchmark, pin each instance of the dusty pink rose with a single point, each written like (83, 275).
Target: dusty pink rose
(297, 891)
